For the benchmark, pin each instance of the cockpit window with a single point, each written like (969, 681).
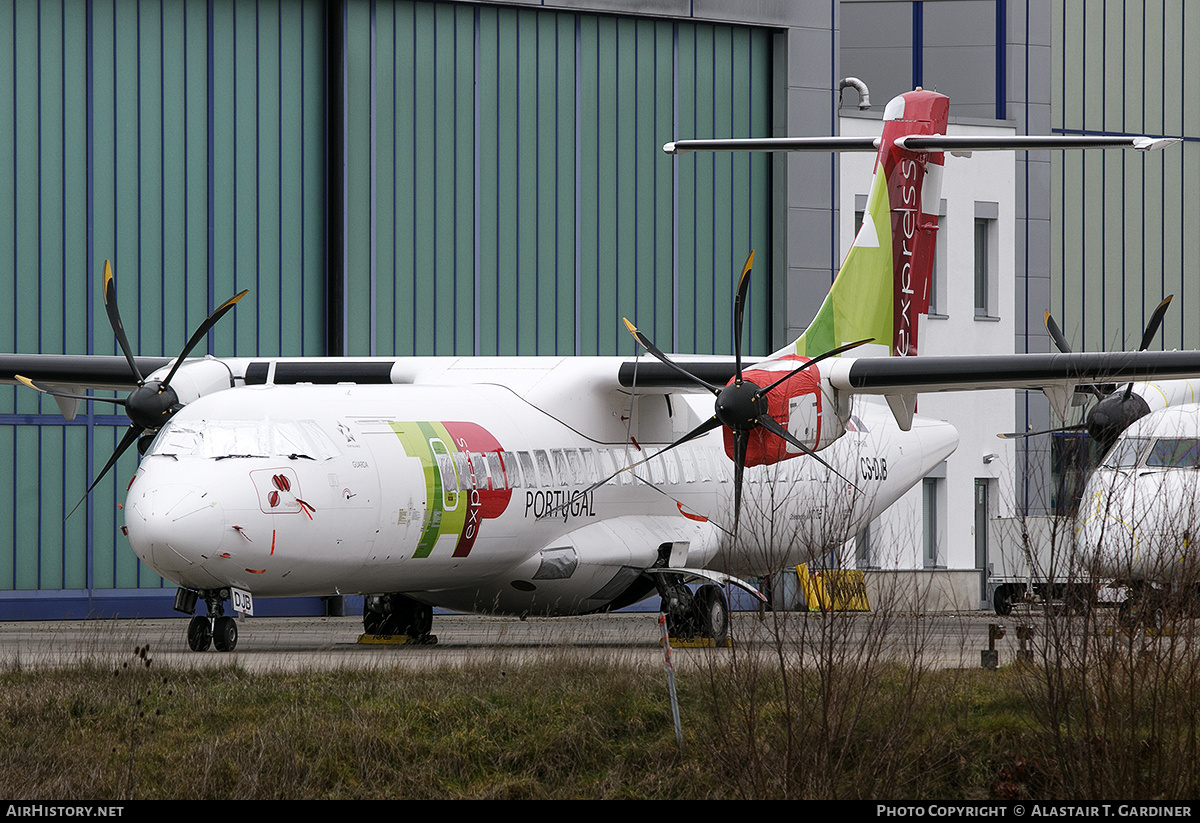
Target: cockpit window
(1126, 453)
(1175, 453)
(293, 439)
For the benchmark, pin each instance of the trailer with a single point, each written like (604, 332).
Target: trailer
(1033, 560)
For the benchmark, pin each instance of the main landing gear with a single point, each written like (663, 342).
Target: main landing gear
(703, 615)
(397, 615)
(217, 629)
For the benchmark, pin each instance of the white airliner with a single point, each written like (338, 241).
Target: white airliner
(1139, 512)
(530, 485)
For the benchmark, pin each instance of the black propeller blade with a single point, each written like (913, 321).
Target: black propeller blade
(153, 402)
(741, 406)
(1115, 410)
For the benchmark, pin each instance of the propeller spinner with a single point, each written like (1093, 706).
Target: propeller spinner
(153, 402)
(741, 405)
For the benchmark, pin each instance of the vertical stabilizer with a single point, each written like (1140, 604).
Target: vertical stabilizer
(883, 285)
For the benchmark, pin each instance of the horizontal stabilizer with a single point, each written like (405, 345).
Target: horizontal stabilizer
(774, 144)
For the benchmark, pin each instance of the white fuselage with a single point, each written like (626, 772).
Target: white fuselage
(1139, 517)
(467, 495)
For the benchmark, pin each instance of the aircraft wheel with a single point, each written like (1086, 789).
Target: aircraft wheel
(680, 609)
(1002, 601)
(225, 634)
(1136, 614)
(1156, 617)
(1078, 599)
(372, 621)
(421, 622)
(199, 634)
(712, 613)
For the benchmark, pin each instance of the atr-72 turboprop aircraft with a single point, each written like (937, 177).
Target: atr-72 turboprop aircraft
(526, 485)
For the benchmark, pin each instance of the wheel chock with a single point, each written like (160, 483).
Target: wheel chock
(699, 643)
(397, 640)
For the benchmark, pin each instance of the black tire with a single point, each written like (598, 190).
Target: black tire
(199, 634)
(372, 621)
(1078, 599)
(711, 613)
(681, 621)
(421, 620)
(1002, 601)
(225, 634)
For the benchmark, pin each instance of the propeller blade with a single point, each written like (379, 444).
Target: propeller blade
(120, 401)
(114, 320)
(131, 436)
(741, 441)
(1018, 435)
(1155, 321)
(739, 309)
(199, 334)
(650, 347)
(1056, 335)
(814, 361)
(1060, 342)
(772, 425)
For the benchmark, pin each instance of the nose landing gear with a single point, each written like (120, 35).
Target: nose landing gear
(217, 629)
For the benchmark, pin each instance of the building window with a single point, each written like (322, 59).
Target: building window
(862, 548)
(939, 304)
(986, 260)
(930, 487)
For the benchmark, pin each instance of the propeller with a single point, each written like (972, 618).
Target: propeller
(153, 402)
(1115, 410)
(741, 405)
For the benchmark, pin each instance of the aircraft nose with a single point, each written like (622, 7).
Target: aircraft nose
(173, 528)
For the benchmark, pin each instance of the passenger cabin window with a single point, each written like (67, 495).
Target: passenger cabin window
(496, 470)
(545, 468)
(531, 478)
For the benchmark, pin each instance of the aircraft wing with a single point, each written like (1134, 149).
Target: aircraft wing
(892, 375)
(889, 375)
(91, 371)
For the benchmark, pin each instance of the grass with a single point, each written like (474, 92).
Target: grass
(541, 730)
(790, 715)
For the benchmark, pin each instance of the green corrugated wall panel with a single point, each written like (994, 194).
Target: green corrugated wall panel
(268, 174)
(8, 510)
(1125, 230)
(358, 54)
(148, 131)
(245, 168)
(8, 219)
(72, 481)
(501, 237)
(26, 524)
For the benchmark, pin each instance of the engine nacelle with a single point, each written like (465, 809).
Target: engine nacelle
(804, 404)
(197, 378)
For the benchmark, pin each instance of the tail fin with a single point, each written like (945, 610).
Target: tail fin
(883, 284)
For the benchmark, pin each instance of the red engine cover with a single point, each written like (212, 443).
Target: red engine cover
(765, 448)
